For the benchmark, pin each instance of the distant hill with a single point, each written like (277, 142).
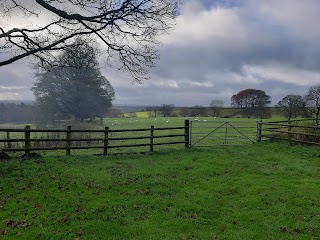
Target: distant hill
(129, 108)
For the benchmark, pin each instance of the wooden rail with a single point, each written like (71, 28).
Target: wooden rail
(289, 131)
(106, 141)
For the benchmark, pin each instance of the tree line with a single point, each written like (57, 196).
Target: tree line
(255, 103)
(18, 113)
(251, 103)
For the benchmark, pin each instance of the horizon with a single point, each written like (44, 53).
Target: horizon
(216, 49)
(135, 105)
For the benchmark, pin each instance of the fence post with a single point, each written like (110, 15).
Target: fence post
(106, 141)
(68, 142)
(27, 143)
(151, 138)
(259, 130)
(289, 131)
(8, 138)
(186, 133)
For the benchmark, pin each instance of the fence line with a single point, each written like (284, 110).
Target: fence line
(289, 131)
(151, 137)
(108, 137)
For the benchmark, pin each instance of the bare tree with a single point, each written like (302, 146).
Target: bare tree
(313, 101)
(166, 109)
(185, 112)
(127, 28)
(153, 111)
(198, 111)
(216, 105)
(291, 106)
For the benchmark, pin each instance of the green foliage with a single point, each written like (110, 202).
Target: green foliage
(75, 90)
(264, 191)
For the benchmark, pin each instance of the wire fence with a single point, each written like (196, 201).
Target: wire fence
(208, 133)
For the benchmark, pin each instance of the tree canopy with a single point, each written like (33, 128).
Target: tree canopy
(291, 106)
(253, 101)
(313, 101)
(76, 90)
(216, 105)
(126, 28)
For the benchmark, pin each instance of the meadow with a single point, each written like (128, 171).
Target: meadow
(205, 131)
(229, 192)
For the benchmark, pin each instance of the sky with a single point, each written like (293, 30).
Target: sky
(216, 49)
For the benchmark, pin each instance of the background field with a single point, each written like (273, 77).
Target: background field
(261, 191)
(205, 131)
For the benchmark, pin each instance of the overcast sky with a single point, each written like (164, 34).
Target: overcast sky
(216, 49)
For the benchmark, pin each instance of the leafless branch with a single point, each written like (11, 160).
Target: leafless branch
(126, 27)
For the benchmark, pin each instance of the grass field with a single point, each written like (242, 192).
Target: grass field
(201, 127)
(261, 191)
(206, 131)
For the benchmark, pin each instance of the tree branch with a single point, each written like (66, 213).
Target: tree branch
(127, 27)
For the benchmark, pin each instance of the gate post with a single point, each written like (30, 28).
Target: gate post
(259, 130)
(151, 138)
(27, 143)
(8, 138)
(186, 133)
(68, 142)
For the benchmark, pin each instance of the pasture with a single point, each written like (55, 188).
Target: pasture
(260, 191)
(203, 132)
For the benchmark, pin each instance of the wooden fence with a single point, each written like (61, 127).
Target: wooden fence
(297, 131)
(106, 141)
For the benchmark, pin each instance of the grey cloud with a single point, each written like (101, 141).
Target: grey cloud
(19, 74)
(211, 59)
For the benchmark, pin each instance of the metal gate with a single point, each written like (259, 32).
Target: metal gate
(205, 133)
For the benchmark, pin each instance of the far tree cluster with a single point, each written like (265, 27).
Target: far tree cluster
(294, 105)
(169, 110)
(254, 103)
(18, 113)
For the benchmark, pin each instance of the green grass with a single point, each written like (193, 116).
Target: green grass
(261, 191)
(204, 133)
(200, 129)
(138, 114)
